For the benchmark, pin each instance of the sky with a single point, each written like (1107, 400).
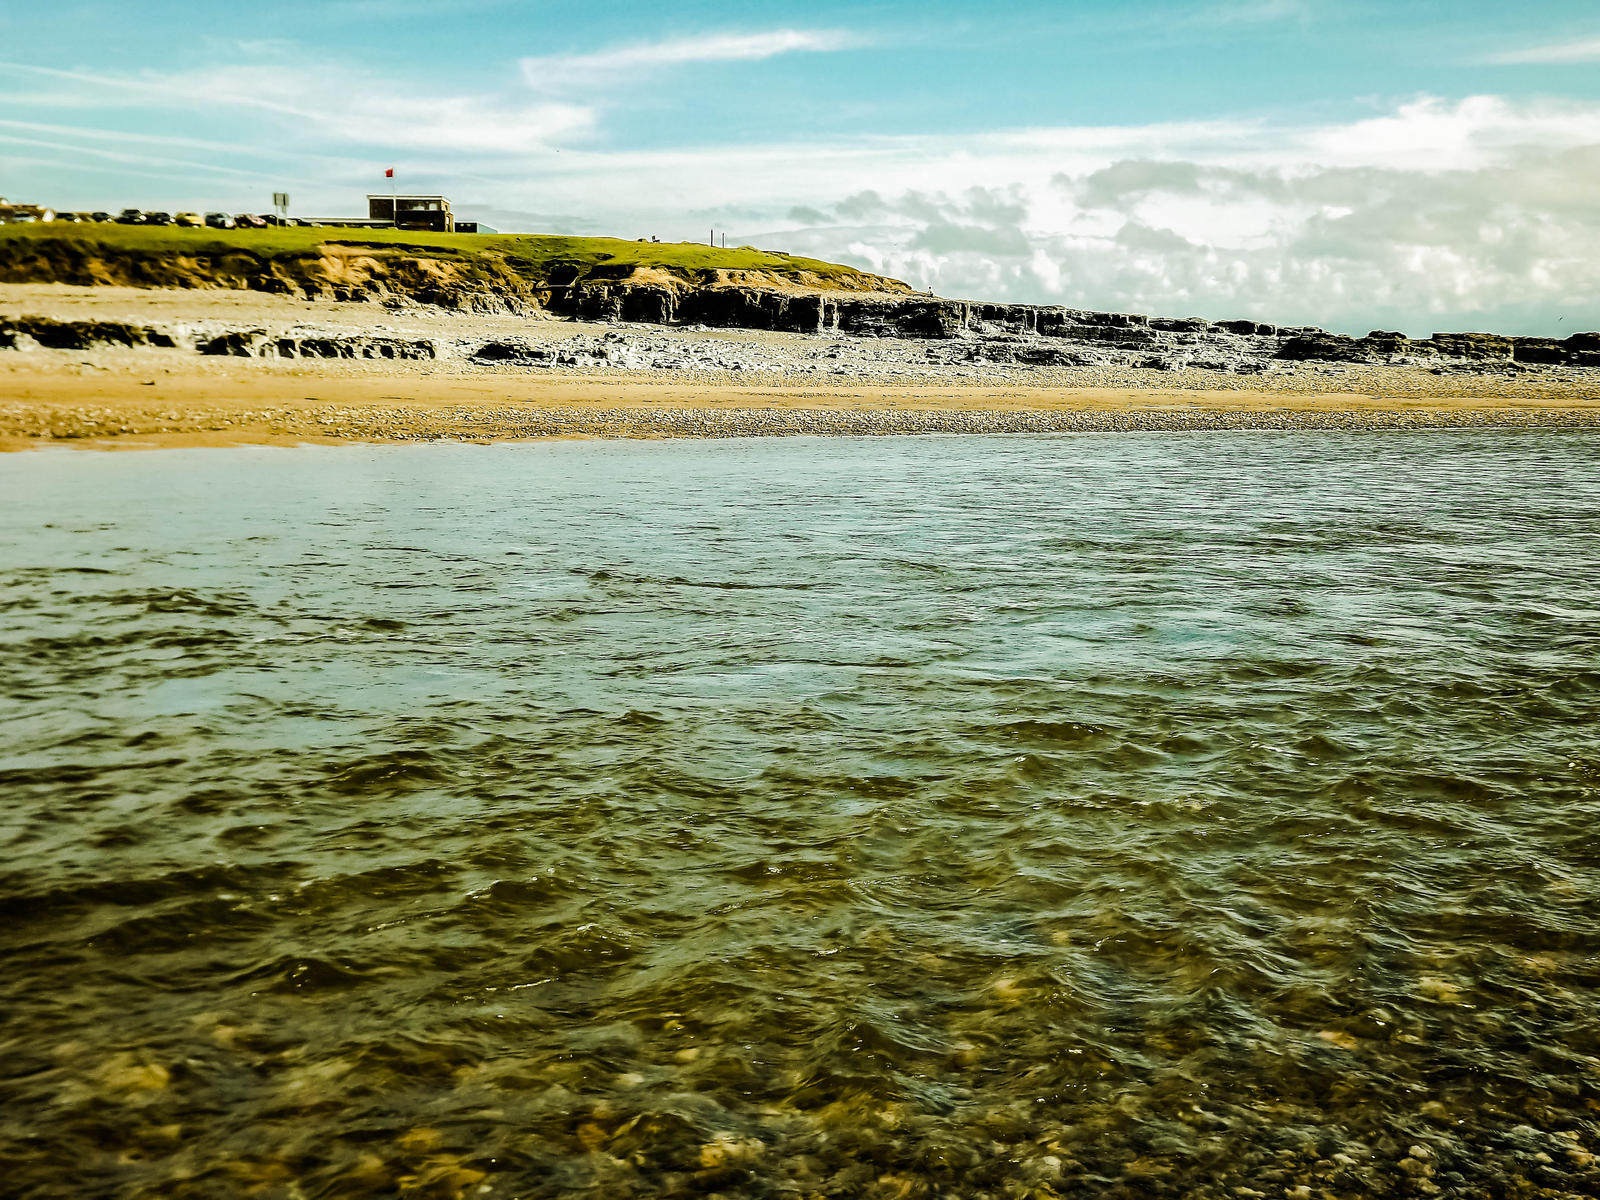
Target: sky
(1416, 165)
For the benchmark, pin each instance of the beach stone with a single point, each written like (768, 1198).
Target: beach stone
(127, 1075)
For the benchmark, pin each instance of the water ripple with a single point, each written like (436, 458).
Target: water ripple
(1130, 816)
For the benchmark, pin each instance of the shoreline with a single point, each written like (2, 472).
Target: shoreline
(615, 380)
(130, 428)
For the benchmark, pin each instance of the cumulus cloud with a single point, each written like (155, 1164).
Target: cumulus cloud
(1502, 237)
(1430, 134)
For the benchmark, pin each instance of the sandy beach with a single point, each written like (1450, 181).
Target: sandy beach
(653, 381)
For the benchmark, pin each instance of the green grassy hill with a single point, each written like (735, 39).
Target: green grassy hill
(354, 263)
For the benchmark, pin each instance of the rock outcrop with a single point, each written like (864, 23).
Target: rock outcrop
(259, 343)
(955, 332)
(19, 332)
(1025, 333)
(1579, 350)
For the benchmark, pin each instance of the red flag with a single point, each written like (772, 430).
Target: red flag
(389, 174)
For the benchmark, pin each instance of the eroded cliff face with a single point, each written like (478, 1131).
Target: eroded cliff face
(1044, 334)
(335, 273)
(483, 281)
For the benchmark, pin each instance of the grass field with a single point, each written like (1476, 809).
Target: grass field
(533, 257)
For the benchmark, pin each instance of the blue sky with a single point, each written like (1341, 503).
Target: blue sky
(1354, 164)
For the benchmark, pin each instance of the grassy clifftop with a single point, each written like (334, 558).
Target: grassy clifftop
(365, 263)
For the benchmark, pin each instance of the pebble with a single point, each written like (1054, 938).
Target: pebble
(359, 423)
(125, 1075)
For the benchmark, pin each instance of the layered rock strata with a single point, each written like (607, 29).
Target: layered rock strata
(259, 343)
(1028, 333)
(48, 333)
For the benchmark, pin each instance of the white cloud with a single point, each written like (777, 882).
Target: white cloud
(1556, 52)
(328, 101)
(560, 71)
(1253, 12)
(142, 159)
(1433, 134)
(1502, 241)
(394, 10)
(77, 133)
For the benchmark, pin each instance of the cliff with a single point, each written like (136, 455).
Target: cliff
(465, 272)
(601, 279)
(1053, 335)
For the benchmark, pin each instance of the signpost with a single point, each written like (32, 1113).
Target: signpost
(280, 201)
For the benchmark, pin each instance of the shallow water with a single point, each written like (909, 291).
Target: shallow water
(1123, 815)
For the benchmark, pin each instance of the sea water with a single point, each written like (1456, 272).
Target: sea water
(1102, 815)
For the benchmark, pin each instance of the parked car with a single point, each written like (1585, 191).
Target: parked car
(189, 220)
(101, 217)
(219, 221)
(248, 221)
(131, 216)
(157, 218)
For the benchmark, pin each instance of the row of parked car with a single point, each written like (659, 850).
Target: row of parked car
(187, 220)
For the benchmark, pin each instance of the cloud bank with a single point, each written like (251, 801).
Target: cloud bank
(1427, 213)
